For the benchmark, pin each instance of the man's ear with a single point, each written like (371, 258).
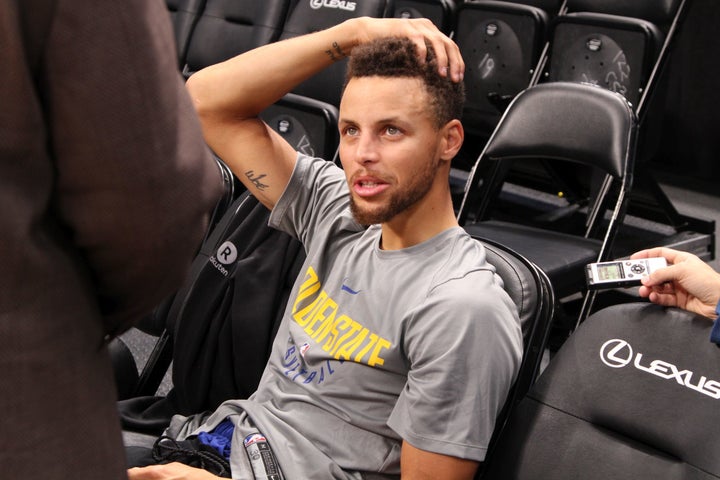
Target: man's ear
(453, 136)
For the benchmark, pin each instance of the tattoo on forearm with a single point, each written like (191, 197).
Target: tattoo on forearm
(336, 53)
(255, 179)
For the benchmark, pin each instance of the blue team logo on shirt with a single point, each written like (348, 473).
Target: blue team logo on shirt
(347, 289)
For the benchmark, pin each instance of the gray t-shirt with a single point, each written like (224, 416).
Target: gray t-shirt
(377, 346)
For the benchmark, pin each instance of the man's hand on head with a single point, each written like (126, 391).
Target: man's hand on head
(419, 30)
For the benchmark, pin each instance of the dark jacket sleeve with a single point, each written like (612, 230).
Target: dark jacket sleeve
(135, 181)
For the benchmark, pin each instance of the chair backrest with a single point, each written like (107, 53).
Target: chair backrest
(632, 394)
(614, 52)
(309, 16)
(440, 12)
(184, 14)
(309, 125)
(558, 126)
(230, 27)
(615, 44)
(501, 43)
(530, 290)
(658, 12)
(560, 121)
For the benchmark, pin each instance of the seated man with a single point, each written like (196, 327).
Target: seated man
(398, 345)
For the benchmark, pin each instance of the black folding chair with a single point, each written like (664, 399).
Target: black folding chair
(559, 123)
(625, 46)
(230, 27)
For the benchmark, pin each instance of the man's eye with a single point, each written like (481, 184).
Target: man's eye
(351, 131)
(392, 130)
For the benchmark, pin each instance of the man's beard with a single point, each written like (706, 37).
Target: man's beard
(399, 201)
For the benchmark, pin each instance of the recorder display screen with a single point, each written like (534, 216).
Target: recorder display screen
(610, 271)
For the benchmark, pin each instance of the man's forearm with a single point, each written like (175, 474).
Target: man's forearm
(230, 96)
(245, 85)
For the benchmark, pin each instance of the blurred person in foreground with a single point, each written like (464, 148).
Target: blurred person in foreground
(106, 186)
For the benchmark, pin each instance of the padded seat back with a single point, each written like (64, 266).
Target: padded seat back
(440, 12)
(501, 43)
(309, 125)
(569, 122)
(228, 28)
(633, 394)
(550, 6)
(184, 14)
(617, 53)
(530, 290)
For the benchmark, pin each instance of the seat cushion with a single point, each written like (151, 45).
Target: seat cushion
(561, 256)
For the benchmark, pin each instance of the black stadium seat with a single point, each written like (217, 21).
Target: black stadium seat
(625, 46)
(307, 117)
(561, 123)
(658, 12)
(501, 44)
(184, 15)
(440, 12)
(614, 52)
(633, 394)
(309, 125)
(229, 27)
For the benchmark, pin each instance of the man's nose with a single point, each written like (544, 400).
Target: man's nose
(367, 149)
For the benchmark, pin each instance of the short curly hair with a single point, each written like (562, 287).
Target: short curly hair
(398, 57)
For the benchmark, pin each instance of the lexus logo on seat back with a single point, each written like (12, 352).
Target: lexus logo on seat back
(339, 4)
(616, 353)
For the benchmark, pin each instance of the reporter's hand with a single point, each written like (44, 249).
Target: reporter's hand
(449, 59)
(687, 282)
(171, 471)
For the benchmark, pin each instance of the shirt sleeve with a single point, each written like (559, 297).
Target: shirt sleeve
(464, 351)
(315, 198)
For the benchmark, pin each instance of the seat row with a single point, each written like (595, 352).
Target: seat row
(508, 45)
